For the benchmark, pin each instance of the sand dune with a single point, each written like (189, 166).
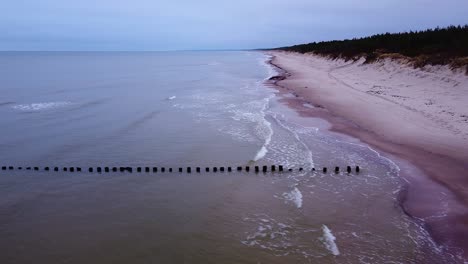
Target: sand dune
(436, 93)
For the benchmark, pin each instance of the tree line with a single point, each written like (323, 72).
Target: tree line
(447, 45)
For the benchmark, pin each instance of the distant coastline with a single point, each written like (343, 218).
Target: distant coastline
(439, 46)
(368, 101)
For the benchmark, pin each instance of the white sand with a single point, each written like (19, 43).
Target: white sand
(427, 108)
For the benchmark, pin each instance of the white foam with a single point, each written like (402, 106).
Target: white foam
(329, 240)
(263, 150)
(309, 156)
(271, 70)
(238, 132)
(261, 153)
(294, 196)
(307, 105)
(39, 106)
(172, 97)
(395, 167)
(270, 235)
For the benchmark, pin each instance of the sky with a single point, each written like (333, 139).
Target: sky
(151, 25)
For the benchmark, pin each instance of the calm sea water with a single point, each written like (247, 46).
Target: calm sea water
(179, 109)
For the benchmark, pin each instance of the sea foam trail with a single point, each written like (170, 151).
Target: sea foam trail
(268, 134)
(294, 133)
(271, 72)
(329, 240)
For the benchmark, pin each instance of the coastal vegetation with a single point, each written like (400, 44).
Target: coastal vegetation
(439, 46)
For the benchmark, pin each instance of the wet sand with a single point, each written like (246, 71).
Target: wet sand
(416, 117)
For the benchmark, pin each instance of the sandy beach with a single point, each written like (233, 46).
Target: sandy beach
(417, 117)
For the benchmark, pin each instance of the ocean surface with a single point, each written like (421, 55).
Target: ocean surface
(181, 109)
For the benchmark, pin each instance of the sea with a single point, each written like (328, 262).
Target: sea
(174, 110)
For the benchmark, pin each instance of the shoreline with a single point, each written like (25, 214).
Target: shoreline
(435, 191)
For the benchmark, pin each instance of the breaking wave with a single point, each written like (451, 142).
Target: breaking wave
(294, 196)
(329, 240)
(40, 106)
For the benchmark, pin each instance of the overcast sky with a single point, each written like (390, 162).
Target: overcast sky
(210, 24)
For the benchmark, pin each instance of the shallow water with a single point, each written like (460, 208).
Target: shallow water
(181, 109)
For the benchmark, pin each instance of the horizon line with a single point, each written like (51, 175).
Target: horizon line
(182, 50)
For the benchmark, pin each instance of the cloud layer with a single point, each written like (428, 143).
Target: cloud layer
(210, 24)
